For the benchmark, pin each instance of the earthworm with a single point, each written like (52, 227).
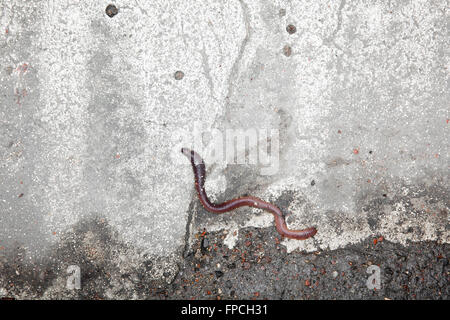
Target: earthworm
(198, 167)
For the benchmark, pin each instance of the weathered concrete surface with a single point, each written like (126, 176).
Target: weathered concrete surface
(91, 113)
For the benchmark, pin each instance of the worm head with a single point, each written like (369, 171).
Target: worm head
(193, 156)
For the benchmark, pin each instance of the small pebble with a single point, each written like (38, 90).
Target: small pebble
(218, 273)
(178, 75)
(111, 10)
(287, 51)
(291, 29)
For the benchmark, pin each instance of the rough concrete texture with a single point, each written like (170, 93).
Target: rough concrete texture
(93, 111)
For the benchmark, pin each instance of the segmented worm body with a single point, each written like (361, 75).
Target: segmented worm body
(200, 174)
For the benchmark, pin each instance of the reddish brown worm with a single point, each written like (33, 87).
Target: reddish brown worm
(200, 174)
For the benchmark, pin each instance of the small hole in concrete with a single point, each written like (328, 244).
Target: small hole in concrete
(111, 10)
(291, 29)
(179, 75)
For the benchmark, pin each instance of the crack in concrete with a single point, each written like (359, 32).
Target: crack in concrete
(221, 55)
(140, 8)
(207, 72)
(235, 68)
(189, 226)
(331, 39)
(183, 34)
(339, 17)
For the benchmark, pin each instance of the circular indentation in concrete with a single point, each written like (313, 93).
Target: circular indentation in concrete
(291, 29)
(111, 10)
(287, 51)
(178, 75)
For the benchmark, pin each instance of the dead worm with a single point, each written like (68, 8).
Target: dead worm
(200, 174)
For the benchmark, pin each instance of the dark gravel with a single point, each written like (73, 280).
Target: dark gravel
(259, 268)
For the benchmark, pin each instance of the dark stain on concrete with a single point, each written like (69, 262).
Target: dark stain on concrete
(95, 248)
(420, 200)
